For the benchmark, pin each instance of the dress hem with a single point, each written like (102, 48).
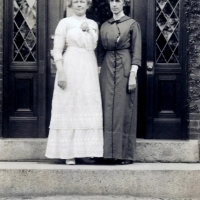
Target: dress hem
(65, 157)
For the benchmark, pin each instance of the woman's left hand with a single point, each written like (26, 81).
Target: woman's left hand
(132, 81)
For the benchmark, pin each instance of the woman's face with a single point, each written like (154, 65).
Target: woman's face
(79, 7)
(116, 6)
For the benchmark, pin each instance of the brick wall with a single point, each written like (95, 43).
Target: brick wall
(1, 64)
(194, 70)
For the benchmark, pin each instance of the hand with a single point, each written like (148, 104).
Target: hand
(99, 70)
(61, 80)
(52, 54)
(132, 82)
(85, 26)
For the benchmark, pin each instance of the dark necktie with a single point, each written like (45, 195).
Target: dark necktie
(115, 21)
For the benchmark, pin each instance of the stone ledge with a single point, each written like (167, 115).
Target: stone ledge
(146, 150)
(164, 180)
(175, 151)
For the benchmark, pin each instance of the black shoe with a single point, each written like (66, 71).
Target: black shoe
(86, 161)
(108, 161)
(100, 161)
(126, 162)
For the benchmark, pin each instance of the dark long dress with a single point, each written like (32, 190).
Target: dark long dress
(119, 48)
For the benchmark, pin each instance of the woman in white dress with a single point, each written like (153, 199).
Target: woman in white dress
(76, 116)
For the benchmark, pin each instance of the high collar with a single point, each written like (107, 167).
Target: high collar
(122, 19)
(80, 18)
(119, 15)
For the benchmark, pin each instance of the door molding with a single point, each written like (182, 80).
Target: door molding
(42, 65)
(7, 26)
(185, 63)
(150, 55)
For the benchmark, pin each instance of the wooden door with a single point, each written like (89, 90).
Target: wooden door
(164, 64)
(24, 103)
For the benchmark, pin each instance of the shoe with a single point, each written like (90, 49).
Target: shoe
(86, 161)
(126, 162)
(111, 161)
(70, 161)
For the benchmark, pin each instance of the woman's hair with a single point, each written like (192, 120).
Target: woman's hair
(69, 3)
(127, 2)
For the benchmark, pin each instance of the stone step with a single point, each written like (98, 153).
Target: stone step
(146, 150)
(144, 180)
(72, 197)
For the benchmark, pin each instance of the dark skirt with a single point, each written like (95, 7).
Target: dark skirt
(119, 110)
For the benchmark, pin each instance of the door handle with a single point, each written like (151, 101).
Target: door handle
(150, 67)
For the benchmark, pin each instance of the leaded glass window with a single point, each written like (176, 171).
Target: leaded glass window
(167, 26)
(25, 28)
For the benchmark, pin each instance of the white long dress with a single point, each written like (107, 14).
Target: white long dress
(76, 116)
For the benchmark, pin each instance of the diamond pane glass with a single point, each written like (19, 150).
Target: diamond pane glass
(25, 30)
(167, 34)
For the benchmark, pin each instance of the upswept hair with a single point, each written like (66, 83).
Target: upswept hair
(127, 2)
(69, 3)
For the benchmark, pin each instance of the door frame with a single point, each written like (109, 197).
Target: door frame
(150, 53)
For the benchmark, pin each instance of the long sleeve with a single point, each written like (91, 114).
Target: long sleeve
(100, 51)
(136, 44)
(59, 40)
(94, 32)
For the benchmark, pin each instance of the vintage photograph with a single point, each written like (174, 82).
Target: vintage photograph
(99, 99)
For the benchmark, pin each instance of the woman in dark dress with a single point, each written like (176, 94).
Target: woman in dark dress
(119, 57)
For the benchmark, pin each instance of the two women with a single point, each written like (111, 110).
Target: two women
(76, 121)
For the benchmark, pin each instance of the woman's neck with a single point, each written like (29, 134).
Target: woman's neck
(80, 17)
(118, 15)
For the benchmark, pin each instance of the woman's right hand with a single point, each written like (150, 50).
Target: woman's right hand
(132, 82)
(99, 69)
(61, 79)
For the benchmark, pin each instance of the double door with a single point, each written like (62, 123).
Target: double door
(30, 72)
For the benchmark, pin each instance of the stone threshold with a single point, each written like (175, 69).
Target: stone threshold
(95, 197)
(152, 180)
(173, 151)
